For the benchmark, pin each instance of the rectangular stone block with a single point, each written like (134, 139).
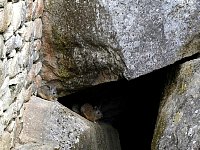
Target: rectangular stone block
(2, 3)
(5, 17)
(37, 28)
(5, 141)
(18, 15)
(38, 7)
(1, 45)
(50, 122)
(2, 20)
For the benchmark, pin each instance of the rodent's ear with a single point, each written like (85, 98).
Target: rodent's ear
(96, 108)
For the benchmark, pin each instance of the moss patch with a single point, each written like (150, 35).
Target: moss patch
(177, 117)
(185, 74)
(160, 127)
(191, 47)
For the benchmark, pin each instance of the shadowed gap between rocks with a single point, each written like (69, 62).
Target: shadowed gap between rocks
(129, 106)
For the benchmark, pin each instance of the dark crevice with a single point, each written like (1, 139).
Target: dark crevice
(129, 106)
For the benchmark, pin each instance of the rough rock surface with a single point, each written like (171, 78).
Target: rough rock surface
(19, 64)
(49, 124)
(90, 42)
(178, 124)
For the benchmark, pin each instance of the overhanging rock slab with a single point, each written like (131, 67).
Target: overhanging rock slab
(148, 34)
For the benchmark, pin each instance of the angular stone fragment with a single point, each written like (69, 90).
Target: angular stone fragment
(37, 45)
(29, 31)
(178, 122)
(38, 7)
(29, 10)
(8, 33)
(50, 122)
(18, 42)
(3, 3)
(10, 44)
(13, 66)
(6, 141)
(25, 54)
(37, 28)
(5, 16)
(5, 94)
(1, 45)
(18, 15)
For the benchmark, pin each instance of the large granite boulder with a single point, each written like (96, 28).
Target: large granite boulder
(49, 125)
(90, 42)
(178, 124)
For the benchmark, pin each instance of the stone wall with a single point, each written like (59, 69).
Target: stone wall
(146, 37)
(20, 43)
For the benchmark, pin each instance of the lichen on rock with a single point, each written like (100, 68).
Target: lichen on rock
(181, 109)
(121, 39)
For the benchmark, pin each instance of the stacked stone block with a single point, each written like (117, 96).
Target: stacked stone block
(20, 43)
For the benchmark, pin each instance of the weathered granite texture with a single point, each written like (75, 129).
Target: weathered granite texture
(20, 33)
(153, 34)
(74, 54)
(90, 42)
(50, 125)
(178, 124)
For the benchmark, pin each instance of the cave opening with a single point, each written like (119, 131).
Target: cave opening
(131, 106)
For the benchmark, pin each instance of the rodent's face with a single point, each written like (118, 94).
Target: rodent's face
(98, 114)
(53, 92)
